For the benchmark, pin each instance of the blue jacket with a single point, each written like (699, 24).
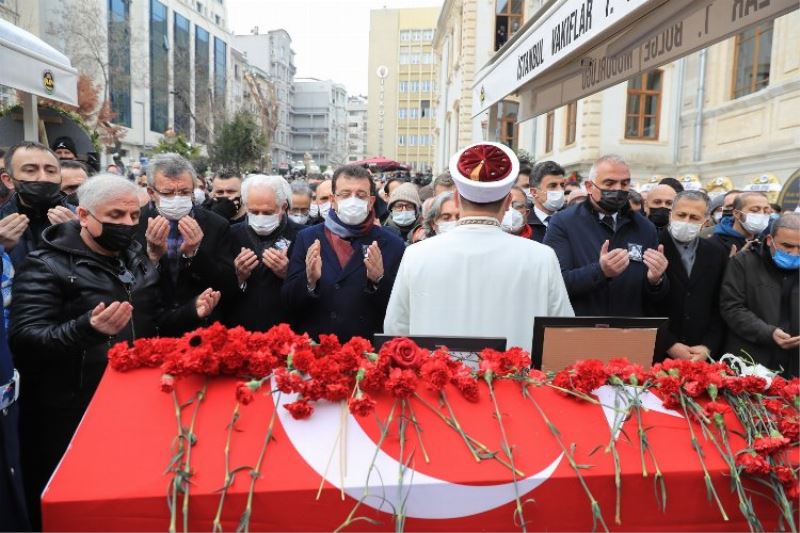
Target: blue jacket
(344, 303)
(577, 234)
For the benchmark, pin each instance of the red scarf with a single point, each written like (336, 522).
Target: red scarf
(527, 231)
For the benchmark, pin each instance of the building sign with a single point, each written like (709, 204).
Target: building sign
(564, 29)
(656, 41)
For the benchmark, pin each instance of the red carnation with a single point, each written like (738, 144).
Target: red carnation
(122, 358)
(537, 376)
(303, 358)
(362, 406)
(468, 387)
(774, 406)
(694, 389)
(167, 383)
(789, 427)
(435, 373)
(336, 392)
(244, 394)
(404, 353)
(785, 474)
(313, 390)
(753, 463)
(374, 379)
(754, 384)
(287, 382)
(360, 346)
(791, 392)
(769, 445)
(328, 344)
(401, 383)
(300, 409)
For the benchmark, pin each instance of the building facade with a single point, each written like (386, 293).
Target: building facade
(357, 128)
(273, 58)
(319, 122)
(402, 85)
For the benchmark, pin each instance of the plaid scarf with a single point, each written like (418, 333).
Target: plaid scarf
(342, 236)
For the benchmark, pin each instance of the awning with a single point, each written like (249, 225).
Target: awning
(33, 66)
(580, 47)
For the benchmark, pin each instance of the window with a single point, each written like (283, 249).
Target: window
(159, 67)
(217, 20)
(425, 109)
(507, 122)
(401, 113)
(644, 104)
(403, 86)
(401, 140)
(428, 36)
(751, 60)
(119, 60)
(427, 59)
(417, 35)
(426, 86)
(220, 74)
(412, 113)
(405, 35)
(202, 78)
(404, 59)
(548, 132)
(181, 74)
(571, 122)
(414, 59)
(507, 21)
(412, 140)
(414, 86)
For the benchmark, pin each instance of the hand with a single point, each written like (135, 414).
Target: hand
(110, 320)
(11, 229)
(699, 352)
(749, 244)
(245, 263)
(784, 340)
(733, 251)
(613, 263)
(680, 351)
(313, 264)
(374, 262)
(277, 261)
(192, 236)
(206, 302)
(60, 214)
(156, 236)
(657, 264)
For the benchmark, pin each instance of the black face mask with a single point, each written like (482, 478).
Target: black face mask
(613, 200)
(39, 195)
(727, 212)
(224, 207)
(115, 237)
(660, 216)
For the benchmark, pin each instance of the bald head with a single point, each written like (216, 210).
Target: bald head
(660, 196)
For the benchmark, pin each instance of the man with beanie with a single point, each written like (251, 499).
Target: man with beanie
(405, 210)
(456, 283)
(64, 148)
(341, 272)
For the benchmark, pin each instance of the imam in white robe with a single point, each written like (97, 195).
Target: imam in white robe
(476, 281)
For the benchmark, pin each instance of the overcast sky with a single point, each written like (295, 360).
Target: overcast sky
(330, 37)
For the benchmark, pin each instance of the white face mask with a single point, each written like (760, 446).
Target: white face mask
(444, 227)
(717, 217)
(404, 218)
(555, 200)
(352, 210)
(528, 194)
(323, 210)
(512, 221)
(299, 219)
(176, 207)
(264, 224)
(755, 223)
(684, 231)
(199, 196)
(313, 211)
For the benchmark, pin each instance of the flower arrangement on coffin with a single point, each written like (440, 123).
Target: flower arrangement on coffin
(280, 361)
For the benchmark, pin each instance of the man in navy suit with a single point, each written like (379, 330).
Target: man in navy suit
(341, 272)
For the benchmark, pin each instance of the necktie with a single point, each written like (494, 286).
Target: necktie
(608, 220)
(547, 219)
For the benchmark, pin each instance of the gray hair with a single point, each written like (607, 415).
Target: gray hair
(610, 158)
(301, 187)
(102, 188)
(695, 196)
(434, 212)
(790, 221)
(170, 165)
(278, 185)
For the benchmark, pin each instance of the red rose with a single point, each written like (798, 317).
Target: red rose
(300, 409)
(244, 394)
(401, 383)
(753, 463)
(771, 444)
(167, 383)
(362, 406)
(404, 353)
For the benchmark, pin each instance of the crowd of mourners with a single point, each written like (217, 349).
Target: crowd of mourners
(91, 260)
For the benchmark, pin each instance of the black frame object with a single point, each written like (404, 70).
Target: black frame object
(608, 322)
(455, 344)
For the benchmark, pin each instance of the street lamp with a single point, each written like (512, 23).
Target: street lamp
(144, 126)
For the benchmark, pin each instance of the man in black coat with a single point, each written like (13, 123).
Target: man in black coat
(37, 203)
(760, 298)
(192, 246)
(610, 257)
(695, 271)
(547, 194)
(264, 239)
(87, 287)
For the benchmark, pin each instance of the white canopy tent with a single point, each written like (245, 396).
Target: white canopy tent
(37, 69)
(580, 47)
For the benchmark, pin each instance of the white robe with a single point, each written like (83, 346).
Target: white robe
(476, 281)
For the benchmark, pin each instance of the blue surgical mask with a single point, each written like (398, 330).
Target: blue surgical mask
(785, 260)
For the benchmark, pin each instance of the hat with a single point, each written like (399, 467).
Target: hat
(716, 203)
(484, 172)
(407, 192)
(65, 142)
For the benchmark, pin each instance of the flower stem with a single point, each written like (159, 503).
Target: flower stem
(418, 430)
(175, 467)
(217, 527)
(187, 467)
(457, 426)
(402, 422)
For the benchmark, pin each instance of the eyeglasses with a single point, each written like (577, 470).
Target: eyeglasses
(172, 194)
(403, 207)
(344, 195)
(519, 205)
